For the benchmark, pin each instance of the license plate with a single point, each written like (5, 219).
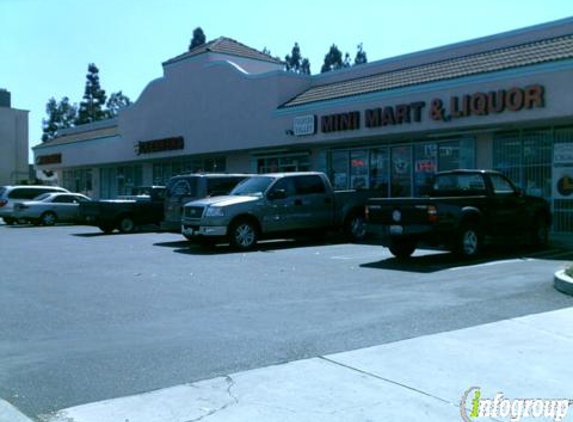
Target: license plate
(396, 229)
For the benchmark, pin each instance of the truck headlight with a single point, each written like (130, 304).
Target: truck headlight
(215, 212)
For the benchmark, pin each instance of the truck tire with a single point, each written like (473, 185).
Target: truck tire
(401, 248)
(48, 218)
(106, 228)
(469, 240)
(355, 226)
(539, 234)
(243, 234)
(126, 224)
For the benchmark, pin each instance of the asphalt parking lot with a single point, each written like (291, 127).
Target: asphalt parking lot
(87, 316)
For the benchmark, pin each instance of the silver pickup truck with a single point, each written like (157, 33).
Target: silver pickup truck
(276, 204)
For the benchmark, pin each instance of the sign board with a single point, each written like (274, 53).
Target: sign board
(304, 125)
(563, 153)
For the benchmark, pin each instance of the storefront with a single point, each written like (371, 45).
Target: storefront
(502, 102)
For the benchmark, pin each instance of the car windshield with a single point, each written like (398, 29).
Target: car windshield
(254, 186)
(43, 196)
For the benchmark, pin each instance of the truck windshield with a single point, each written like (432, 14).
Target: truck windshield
(254, 186)
(458, 185)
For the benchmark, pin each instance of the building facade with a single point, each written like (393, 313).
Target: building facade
(13, 142)
(503, 102)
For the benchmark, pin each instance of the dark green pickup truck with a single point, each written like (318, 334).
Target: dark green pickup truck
(463, 209)
(144, 206)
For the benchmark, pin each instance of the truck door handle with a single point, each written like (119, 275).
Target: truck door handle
(298, 202)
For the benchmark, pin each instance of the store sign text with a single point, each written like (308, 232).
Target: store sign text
(304, 125)
(159, 145)
(49, 159)
(477, 104)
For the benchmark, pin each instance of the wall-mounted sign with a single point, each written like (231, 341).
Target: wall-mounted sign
(304, 125)
(456, 107)
(563, 153)
(42, 160)
(159, 145)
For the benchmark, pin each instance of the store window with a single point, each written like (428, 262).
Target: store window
(339, 169)
(121, 180)
(379, 171)
(164, 171)
(283, 163)
(401, 171)
(78, 180)
(425, 166)
(359, 169)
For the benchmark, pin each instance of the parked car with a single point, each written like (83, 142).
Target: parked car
(12, 194)
(271, 205)
(50, 208)
(127, 213)
(464, 208)
(188, 187)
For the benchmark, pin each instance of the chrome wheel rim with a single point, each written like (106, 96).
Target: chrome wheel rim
(49, 219)
(358, 227)
(470, 242)
(245, 235)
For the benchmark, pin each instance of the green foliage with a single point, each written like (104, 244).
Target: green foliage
(360, 56)
(94, 99)
(569, 270)
(61, 115)
(116, 102)
(296, 63)
(198, 38)
(333, 60)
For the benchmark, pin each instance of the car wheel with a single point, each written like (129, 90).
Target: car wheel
(402, 249)
(48, 218)
(469, 241)
(355, 227)
(126, 224)
(106, 228)
(243, 235)
(9, 220)
(539, 235)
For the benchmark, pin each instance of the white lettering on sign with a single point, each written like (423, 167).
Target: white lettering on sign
(304, 125)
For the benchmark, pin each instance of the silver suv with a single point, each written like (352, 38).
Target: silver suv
(11, 194)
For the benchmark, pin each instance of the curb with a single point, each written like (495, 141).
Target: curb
(8, 413)
(563, 282)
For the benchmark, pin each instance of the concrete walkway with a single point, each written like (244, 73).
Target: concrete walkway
(412, 380)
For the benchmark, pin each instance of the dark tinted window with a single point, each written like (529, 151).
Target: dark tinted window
(179, 187)
(286, 184)
(253, 186)
(458, 184)
(28, 193)
(308, 185)
(222, 185)
(63, 199)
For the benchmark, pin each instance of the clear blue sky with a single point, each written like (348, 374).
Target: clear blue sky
(46, 45)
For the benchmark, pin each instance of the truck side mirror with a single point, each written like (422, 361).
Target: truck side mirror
(276, 194)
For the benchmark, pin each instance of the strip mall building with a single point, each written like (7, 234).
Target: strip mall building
(502, 102)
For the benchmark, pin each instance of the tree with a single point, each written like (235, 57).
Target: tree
(198, 38)
(332, 60)
(360, 56)
(116, 102)
(92, 106)
(61, 115)
(296, 63)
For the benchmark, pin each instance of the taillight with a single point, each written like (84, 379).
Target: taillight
(433, 214)
(3, 202)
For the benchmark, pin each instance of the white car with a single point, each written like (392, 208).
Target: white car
(9, 195)
(50, 208)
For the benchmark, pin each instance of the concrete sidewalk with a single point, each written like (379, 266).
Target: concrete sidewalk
(418, 379)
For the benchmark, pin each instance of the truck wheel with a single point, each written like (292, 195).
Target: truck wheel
(48, 218)
(126, 224)
(106, 228)
(243, 235)
(539, 235)
(469, 241)
(9, 220)
(402, 249)
(355, 227)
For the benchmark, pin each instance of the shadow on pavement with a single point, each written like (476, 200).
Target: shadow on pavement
(441, 261)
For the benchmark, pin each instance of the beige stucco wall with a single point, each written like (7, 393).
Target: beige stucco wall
(13, 146)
